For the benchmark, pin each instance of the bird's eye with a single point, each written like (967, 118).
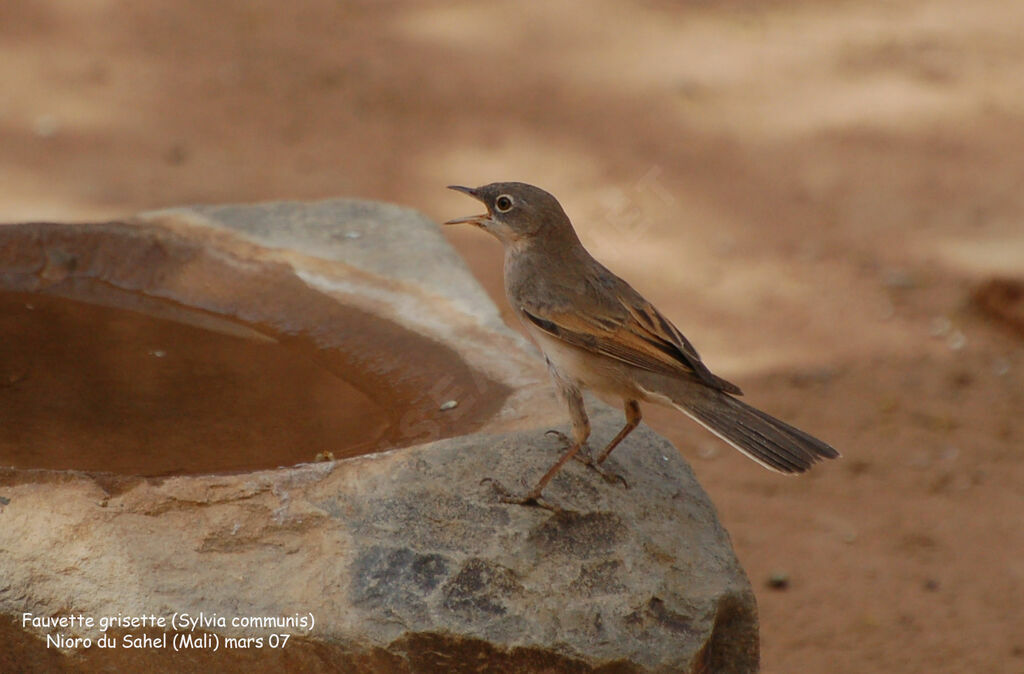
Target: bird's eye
(503, 203)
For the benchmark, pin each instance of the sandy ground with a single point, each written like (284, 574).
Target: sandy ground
(811, 191)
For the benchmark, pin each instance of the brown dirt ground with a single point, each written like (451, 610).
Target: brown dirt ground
(812, 191)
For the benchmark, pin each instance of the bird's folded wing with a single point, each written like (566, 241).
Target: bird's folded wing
(635, 333)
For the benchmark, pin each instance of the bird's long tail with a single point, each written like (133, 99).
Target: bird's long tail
(771, 442)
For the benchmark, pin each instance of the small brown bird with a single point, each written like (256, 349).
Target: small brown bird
(597, 333)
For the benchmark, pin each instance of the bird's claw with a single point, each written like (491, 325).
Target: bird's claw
(607, 475)
(583, 455)
(559, 435)
(587, 459)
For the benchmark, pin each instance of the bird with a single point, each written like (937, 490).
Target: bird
(597, 333)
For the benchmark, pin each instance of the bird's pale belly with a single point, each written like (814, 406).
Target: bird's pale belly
(585, 370)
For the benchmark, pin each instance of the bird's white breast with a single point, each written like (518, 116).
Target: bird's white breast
(582, 368)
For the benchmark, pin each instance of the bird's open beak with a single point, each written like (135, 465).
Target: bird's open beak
(477, 220)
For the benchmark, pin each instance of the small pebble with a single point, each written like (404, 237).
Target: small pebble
(158, 353)
(956, 341)
(778, 580)
(353, 235)
(449, 405)
(931, 585)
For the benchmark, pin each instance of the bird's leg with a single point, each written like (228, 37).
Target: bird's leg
(584, 457)
(577, 411)
(633, 418)
(533, 497)
(580, 432)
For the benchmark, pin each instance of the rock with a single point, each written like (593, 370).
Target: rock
(778, 580)
(394, 561)
(1002, 300)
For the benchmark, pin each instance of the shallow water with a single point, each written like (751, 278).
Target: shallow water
(163, 389)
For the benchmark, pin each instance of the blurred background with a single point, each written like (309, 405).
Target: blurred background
(826, 197)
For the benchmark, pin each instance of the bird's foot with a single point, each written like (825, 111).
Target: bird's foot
(587, 459)
(532, 499)
(583, 455)
(607, 475)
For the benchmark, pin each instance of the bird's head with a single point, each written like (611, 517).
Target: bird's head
(516, 213)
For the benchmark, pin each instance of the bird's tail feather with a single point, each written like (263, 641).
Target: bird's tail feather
(769, 441)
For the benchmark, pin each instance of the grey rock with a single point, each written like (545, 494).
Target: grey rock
(397, 561)
(385, 240)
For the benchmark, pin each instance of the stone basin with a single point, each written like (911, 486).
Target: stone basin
(170, 386)
(137, 348)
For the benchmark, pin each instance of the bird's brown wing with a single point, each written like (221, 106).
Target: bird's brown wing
(619, 323)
